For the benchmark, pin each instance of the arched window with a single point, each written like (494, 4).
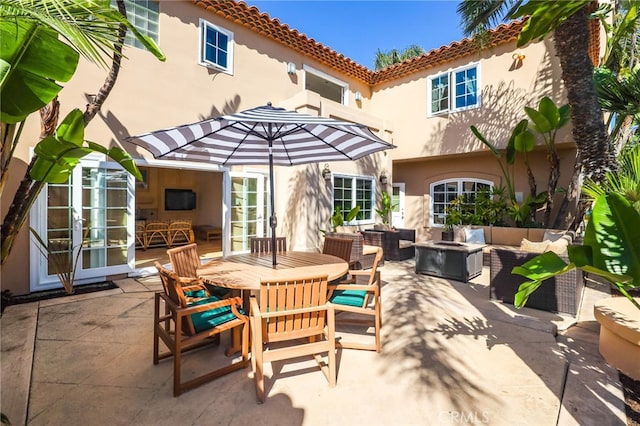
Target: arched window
(445, 191)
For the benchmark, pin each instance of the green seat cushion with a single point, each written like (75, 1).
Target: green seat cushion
(212, 318)
(195, 293)
(348, 297)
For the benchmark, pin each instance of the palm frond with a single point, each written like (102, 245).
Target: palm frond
(479, 16)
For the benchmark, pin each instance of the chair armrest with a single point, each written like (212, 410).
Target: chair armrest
(407, 234)
(373, 238)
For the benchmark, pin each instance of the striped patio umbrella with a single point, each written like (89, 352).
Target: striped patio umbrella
(263, 135)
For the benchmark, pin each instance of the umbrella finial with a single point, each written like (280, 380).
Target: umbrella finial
(269, 104)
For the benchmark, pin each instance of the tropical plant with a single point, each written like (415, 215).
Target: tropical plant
(611, 250)
(547, 119)
(394, 56)
(387, 207)
(33, 62)
(569, 22)
(60, 257)
(337, 219)
(626, 181)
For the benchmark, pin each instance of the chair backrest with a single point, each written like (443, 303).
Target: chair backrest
(284, 294)
(374, 267)
(263, 244)
(340, 247)
(173, 290)
(185, 260)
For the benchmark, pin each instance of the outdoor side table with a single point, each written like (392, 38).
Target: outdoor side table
(457, 261)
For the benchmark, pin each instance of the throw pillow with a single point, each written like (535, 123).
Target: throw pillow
(552, 235)
(558, 246)
(459, 233)
(533, 247)
(474, 236)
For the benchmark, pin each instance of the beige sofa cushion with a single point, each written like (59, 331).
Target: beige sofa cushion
(508, 236)
(367, 249)
(534, 246)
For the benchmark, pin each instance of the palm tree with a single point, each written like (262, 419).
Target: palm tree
(93, 29)
(569, 21)
(385, 59)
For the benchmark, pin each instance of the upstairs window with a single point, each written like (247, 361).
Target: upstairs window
(325, 85)
(216, 47)
(454, 91)
(145, 16)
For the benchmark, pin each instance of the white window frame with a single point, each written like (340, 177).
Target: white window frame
(459, 182)
(452, 94)
(202, 33)
(353, 178)
(337, 82)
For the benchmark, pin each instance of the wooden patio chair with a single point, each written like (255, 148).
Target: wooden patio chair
(340, 247)
(189, 323)
(185, 261)
(359, 294)
(263, 244)
(294, 314)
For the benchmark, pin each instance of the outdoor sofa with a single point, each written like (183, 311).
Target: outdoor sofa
(507, 247)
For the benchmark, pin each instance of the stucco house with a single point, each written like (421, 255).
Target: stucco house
(224, 57)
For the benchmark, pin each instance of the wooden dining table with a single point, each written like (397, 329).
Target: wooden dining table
(244, 271)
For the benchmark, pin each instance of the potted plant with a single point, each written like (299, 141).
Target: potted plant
(386, 208)
(447, 232)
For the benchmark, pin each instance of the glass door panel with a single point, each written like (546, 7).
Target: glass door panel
(248, 210)
(105, 214)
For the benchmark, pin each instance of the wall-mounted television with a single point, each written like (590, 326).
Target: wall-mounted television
(179, 199)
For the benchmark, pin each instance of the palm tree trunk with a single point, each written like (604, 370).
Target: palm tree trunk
(589, 133)
(554, 175)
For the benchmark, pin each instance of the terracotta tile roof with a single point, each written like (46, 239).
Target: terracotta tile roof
(502, 34)
(261, 23)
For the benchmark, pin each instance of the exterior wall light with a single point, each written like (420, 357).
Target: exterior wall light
(326, 173)
(358, 96)
(291, 68)
(383, 179)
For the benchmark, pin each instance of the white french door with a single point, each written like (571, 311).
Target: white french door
(89, 218)
(397, 201)
(248, 209)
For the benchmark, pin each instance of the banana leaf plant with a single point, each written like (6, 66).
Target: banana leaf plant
(57, 155)
(387, 207)
(337, 219)
(611, 250)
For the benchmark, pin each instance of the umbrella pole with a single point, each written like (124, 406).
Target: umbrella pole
(272, 220)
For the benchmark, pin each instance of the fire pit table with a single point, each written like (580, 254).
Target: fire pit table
(447, 259)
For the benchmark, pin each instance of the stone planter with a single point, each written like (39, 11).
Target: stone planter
(619, 334)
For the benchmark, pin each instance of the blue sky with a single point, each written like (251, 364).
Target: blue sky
(357, 29)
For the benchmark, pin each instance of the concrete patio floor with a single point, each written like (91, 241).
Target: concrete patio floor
(449, 356)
